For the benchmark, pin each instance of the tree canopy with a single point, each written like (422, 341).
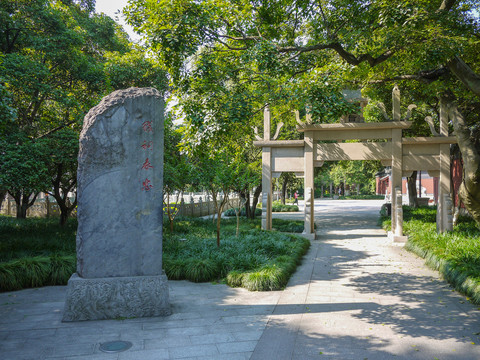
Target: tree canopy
(58, 60)
(228, 58)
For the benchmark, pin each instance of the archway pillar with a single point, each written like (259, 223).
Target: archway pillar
(444, 206)
(266, 173)
(396, 187)
(267, 188)
(309, 217)
(396, 172)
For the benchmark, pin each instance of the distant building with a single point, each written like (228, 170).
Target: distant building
(427, 186)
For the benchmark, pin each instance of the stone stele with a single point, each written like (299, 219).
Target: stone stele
(119, 236)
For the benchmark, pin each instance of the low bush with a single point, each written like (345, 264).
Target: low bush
(231, 212)
(362, 197)
(36, 271)
(284, 208)
(35, 237)
(456, 254)
(256, 259)
(290, 226)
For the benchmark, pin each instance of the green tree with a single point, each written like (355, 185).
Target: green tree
(134, 69)
(24, 170)
(215, 172)
(52, 74)
(356, 174)
(58, 60)
(177, 171)
(285, 48)
(62, 163)
(323, 178)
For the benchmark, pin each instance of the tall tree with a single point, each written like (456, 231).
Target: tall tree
(177, 171)
(52, 75)
(300, 47)
(58, 60)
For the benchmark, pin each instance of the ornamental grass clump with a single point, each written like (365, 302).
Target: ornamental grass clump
(201, 270)
(456, 254)
(36, 271)
(38, 252)
(257, 260)
(284, 208)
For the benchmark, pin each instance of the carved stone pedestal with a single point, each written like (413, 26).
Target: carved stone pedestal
(116, 297)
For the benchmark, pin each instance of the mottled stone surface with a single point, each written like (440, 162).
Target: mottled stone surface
(120, 175)
(119, 236)
(118, 297)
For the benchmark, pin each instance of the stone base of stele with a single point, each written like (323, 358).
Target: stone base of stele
(116, 297)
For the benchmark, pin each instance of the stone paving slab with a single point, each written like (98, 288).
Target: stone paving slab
(355, 296)
(210, 321)
(364, 297)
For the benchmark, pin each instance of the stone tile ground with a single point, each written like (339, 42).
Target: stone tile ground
(355, 296)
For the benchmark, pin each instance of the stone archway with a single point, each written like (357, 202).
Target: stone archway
(380, 141)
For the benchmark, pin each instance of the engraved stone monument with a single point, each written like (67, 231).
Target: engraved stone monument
(119, 236)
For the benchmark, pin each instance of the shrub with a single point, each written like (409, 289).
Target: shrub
(284, 208)
(235, 278)
(456, 254)
(291, 226)
(36, 271)
(39, 252)
(201, 270)
(231, 212)
(249, 260)
(174, 268)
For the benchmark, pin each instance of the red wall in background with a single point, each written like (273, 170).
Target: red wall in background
(430, 184)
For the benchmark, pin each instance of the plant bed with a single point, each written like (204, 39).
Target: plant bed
(257, 260)
(278, 207)
(231, 212)
(38, 252)
(456, 254)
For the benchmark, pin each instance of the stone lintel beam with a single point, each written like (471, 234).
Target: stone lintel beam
(429, 140)
(279, 143)
(357, 126)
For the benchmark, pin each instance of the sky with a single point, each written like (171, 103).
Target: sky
(110, 7)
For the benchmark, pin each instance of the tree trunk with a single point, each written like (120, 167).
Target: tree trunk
(220, 207)
(256, 195)
(469, 191)
(3, 193)
(245, 195)
(218, 229)
(23, 202)
(21, 210)
(237, 212)
(412, 190)
(284, 189)
(60, 193)
(465, 74)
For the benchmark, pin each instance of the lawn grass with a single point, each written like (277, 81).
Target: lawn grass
(38, 252)
(456, 254)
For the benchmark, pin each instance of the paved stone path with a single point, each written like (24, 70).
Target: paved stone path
(355, 296)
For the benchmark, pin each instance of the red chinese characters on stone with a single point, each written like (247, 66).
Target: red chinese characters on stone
(147, 126)
(147, 145)
(146, 165)
(146, 185)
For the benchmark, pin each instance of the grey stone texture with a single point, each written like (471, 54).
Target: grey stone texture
(119, 236)
(119, 211)
(117, 297)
